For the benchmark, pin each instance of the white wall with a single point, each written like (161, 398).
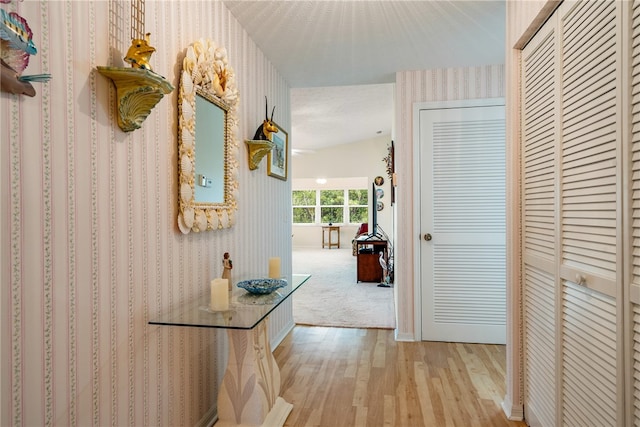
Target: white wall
(91, 250)
(341, 165)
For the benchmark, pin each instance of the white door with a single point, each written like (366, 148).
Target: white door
(462, 224)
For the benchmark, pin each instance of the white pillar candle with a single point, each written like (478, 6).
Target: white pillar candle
(274, 268)
(219, 295)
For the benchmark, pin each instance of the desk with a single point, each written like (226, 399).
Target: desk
(251, 384)
(368, 264)
(330, 243)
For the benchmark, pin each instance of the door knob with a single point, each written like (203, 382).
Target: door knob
(427, 237)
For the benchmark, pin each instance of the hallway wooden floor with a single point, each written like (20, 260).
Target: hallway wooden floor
(362, 377)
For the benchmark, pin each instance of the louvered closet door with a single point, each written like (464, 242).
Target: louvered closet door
(590, 211)
(463, 209)
(539, 136)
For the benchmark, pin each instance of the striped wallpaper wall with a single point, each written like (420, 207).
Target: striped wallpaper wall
(442, 84)
(90, 247)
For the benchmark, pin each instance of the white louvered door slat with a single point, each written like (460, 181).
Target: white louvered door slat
(590, 132)
(463, 200)
(539, 357)
(539, 135)
(589, 205)
(589, 358)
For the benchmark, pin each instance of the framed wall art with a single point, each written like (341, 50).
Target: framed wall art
(278, 158)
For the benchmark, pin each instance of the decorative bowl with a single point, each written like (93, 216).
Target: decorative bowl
(262, 286)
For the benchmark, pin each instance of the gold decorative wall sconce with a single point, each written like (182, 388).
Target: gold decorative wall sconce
(139, 88)
(261, 144)
(137, 91)
(257, 150)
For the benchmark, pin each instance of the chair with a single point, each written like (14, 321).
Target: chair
(363, 229)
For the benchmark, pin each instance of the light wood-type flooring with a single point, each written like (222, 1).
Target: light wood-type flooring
(363, 377)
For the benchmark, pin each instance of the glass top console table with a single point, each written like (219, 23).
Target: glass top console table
(249, 393)
(246, 310)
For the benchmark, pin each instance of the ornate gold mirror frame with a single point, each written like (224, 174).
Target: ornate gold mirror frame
(205, 71)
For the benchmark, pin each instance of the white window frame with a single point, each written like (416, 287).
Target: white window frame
(317, 213)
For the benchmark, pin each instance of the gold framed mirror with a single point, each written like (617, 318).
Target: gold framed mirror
(207, 141)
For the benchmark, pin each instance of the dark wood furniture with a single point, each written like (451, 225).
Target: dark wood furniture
(368, 252)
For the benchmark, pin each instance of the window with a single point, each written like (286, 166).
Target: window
(358, 206)
(331, 206)
(345, 206)
(304, 206)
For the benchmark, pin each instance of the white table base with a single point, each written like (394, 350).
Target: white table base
(251, 384)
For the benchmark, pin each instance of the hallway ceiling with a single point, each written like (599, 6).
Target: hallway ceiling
(340, 57)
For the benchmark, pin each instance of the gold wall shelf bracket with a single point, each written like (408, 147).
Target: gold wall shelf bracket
(257, 149)
(137, 91)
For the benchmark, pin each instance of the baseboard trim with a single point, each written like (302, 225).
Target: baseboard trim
(275, 342)
(513, 412)
(404, 336)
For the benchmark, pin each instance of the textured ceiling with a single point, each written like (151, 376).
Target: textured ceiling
(321, 117)
(318, 45)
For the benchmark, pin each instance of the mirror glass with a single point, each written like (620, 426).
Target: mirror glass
(207, 142)
(209, 150)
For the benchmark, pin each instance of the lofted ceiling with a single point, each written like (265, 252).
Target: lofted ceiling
(340, 57)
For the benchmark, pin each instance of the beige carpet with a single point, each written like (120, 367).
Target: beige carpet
(332, 297)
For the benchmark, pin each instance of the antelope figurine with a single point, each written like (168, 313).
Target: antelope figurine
(264, 131)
